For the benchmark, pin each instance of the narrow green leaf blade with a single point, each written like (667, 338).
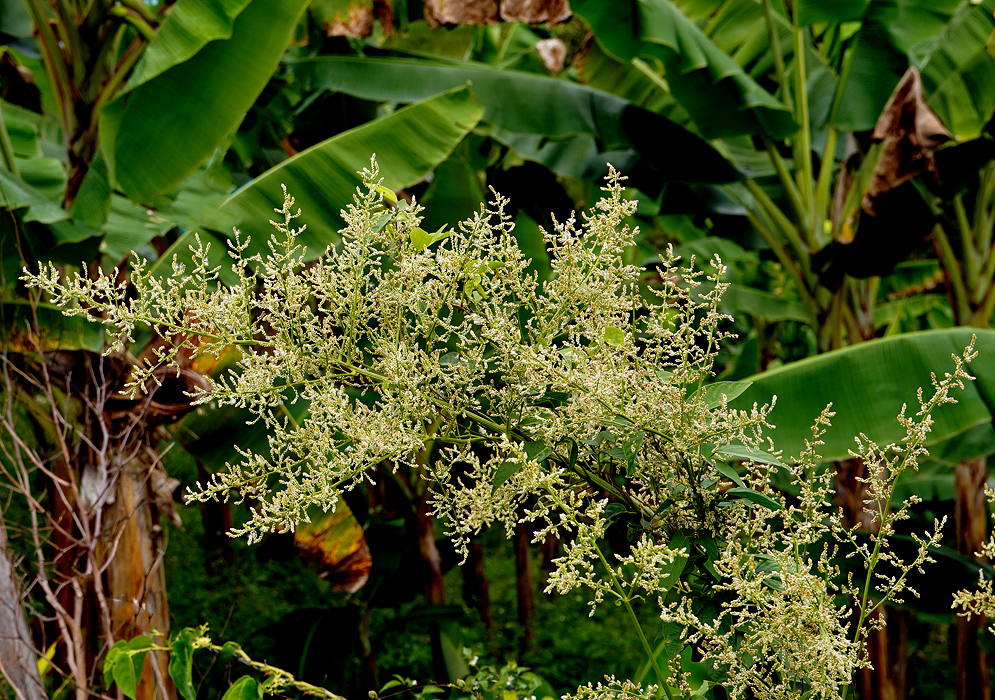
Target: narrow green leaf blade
(746, 454)
(730, 473)
(712, 393)
(752, 496)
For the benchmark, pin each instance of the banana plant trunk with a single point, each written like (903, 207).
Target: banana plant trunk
(18, 658)
(132, 550)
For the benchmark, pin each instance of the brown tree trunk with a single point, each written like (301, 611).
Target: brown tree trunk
(431, 571)
(526, 590)
(132, 551)
(18, 659)
(971, 522)
(550, 551)
(431, 561)
(887, 648)
(476, 590)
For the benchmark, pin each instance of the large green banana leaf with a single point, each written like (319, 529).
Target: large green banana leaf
(16, 193)
(529, 104)
(722, 99)
(889, 31)
(958, 73)
(408, 144)
(201, 73)
(868, 384)
(816, 11)
(28, 327)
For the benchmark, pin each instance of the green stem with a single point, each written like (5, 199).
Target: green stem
(970, 259)
(142, 9)
(803, 140)
(775, 42)
(55, 67)
(961, 298)
(787, 182)
(984, 211)
(70, 36)
(6, 148)
(620, 592)
(786, 260)
(821, 208)
(135, 20)
(844, 74)
(782, 222)
(121, 72)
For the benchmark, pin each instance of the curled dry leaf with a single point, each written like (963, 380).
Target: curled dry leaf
(911, 133)
(336, 545)
(536, 11)
(439, 12)
(353, 18)
(553, 52)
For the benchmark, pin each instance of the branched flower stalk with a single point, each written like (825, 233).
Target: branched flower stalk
(579, 401)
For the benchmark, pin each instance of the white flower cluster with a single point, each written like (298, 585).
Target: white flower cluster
(569, 403)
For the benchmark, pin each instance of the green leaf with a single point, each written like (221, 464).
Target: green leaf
(817, 11)
(958, 73)
(889, 31)
(722, 99)
(671, 572)
(93, 199)
(17, 193)
(388, 194)
(867, 385)
(228, 651)
(421, 239)
(111, 659)
(409, 144)
(181, 662)
(712, 393)
(614, 336)
(129, 227)
(244, 688)
(522, 103)
(730, 473)
(740, 299)
(188, 28)
(747, 455)
(55, 330)
(127, 663)
(613, 511)
(752, 496)
(192, 91)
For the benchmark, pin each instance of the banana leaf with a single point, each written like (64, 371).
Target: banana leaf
(721, 97)
(53, 330)
(958, 73)
(889, 31)
(408, 144)
(868, 384)
(816, 11)
(192, 87)
(17, 193)
(529, 104)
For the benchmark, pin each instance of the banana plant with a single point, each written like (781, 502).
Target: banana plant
(819, 204)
